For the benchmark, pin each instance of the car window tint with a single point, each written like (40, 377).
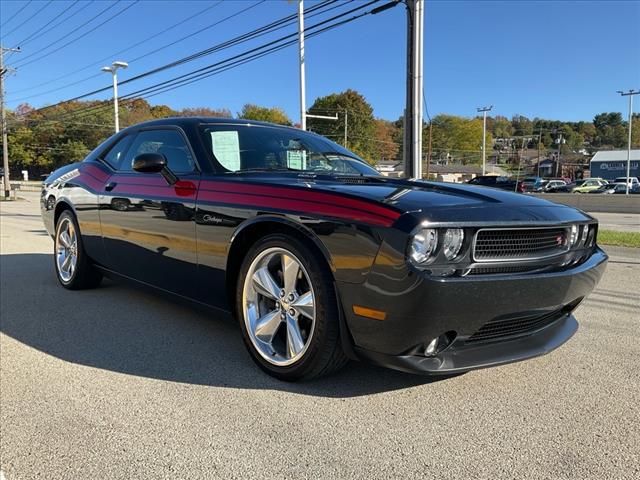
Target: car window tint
(167, 142)
(116, 154)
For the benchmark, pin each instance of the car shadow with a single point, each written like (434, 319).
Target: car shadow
(132, 331)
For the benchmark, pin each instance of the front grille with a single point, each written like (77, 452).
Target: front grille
(502, 269)
(499, 245)
(514, 326)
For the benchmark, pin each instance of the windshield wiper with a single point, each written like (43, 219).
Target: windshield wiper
(267, 169)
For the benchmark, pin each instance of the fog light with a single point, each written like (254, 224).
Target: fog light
(452, 243)
(431, 348)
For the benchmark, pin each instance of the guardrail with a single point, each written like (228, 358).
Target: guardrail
(26, 186)
(596, 202)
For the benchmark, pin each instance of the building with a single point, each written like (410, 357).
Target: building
(609, 164)
(390, 168)
(453, 173)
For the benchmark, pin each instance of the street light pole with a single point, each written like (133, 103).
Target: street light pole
(629, 94)
(113, 69)
(3, 119)
(303, 101)
(484, 111)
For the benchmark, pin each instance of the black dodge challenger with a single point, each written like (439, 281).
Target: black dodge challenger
(319, 257)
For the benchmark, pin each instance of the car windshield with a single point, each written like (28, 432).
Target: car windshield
(262, 148)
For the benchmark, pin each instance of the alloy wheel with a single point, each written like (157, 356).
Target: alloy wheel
(279, 306)
(66, 250)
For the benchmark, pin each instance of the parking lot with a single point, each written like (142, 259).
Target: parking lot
(121, 383)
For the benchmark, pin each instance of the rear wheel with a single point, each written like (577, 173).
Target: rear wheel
(73, 268)
(288, 310)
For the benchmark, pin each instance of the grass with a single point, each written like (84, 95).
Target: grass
(620, 239)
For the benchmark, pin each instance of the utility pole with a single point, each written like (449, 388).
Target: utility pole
(345, 128)
(559, 151)
(303, 105)
(484, 111)
(113, 69)
(413, 110)
(539, 139)
(629, 94)
(3, 119)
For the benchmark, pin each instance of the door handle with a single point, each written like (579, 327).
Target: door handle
(110, 186)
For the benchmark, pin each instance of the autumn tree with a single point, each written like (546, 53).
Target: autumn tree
(205, 112)
(264, 114)
(385, 140)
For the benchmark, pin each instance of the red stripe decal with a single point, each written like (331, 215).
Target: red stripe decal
(301, 207)
(301, 194)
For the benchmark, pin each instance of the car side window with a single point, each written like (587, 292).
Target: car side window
(167, 142)
(116, 154)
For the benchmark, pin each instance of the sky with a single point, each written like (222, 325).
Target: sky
(560, 60)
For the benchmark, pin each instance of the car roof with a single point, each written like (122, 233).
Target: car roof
(206, 120)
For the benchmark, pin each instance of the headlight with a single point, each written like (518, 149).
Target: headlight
(585, 232)
(452, 242)
(573, 237)
(423, 245)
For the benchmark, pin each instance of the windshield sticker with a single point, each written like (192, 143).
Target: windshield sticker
(226, 148)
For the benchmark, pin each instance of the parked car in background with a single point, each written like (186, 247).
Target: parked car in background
(607, 188)
(495, 181)
(320, 257)
(589, 184)
(553, 185)
(621, 188)
(567, 188)
(533, 184)
(632, 181)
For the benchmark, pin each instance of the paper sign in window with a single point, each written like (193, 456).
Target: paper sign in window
(296, 159)
(226, 148)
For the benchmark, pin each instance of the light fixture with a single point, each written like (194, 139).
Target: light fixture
(452, 243)
(423, 245)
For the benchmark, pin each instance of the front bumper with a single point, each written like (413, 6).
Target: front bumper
(420, 308)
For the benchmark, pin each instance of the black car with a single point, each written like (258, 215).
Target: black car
(319, 257)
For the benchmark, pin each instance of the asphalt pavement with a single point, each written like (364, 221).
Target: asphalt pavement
(119, 383)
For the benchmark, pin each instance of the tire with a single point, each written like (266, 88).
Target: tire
(78, 273)
(289, 325)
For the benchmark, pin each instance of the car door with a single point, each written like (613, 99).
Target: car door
(148, 225)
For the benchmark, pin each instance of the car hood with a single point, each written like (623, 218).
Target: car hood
(440, 202)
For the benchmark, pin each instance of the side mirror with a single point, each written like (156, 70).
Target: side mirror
(154, 163)
(149, 163)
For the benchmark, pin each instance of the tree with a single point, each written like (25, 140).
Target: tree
(502, 127)
(386, 146)
(361, 127)
(460, 138)
(205, 112)
(521, 125)
(162, 111)
(264, 114)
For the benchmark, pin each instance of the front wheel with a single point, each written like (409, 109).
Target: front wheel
(73, 268)
(288, 310)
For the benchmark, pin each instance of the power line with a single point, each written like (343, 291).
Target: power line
(200, 12)
(224, 45)
(15, 14)
(224, 65)
(38, 31)
(32, 16)
(93, 29)
(237, 60)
